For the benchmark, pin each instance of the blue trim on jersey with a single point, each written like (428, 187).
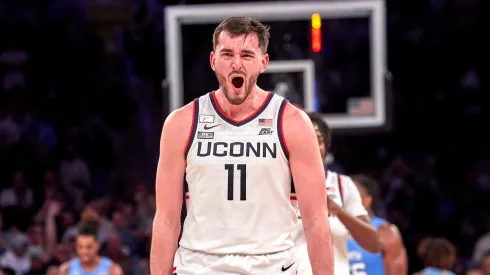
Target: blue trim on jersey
(363, 262)
(103, 268)
(436, 271)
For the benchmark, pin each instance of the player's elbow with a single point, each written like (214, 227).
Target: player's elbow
(165, 221)
(315, 221)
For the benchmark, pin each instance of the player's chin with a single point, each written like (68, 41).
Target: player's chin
(236, 97)
(84, 258)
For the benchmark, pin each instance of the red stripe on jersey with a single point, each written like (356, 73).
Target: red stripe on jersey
(293, 198)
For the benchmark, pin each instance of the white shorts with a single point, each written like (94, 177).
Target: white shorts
(187, 262)
(303, 261)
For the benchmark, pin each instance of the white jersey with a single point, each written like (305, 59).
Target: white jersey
(342, 190)
(239, 182)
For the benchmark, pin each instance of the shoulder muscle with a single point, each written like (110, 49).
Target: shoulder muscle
(390, 237)
(176, 134)
(116, 269)
(177, 128)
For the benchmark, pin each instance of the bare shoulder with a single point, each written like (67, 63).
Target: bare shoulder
(293, 114)
(389, 234)
(64, 268)
(181, 117)
(178, 124)
(297, 126)
(116, 269)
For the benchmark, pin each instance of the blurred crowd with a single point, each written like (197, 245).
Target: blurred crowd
(81, 110)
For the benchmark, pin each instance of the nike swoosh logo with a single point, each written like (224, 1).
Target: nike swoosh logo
(286, 268)
(206, 127)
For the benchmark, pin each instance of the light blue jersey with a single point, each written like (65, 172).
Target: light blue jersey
(435, 271)
(103, 268)
(362, 262)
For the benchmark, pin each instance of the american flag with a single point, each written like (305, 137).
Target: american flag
(360, 106)
(265, 122)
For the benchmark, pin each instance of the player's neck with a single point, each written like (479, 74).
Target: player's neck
(238, 112)
(89, 266)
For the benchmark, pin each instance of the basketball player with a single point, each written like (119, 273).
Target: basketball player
(438, 255)
(393, 257)
(88, 261)
(238, 148)
(348, 215)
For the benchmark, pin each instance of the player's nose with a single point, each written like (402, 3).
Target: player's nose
(237, 63)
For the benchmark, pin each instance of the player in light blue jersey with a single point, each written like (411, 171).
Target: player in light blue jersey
(438, 255)
(393, 257)
(88, 261)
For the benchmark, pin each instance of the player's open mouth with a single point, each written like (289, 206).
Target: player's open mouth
(237, 82)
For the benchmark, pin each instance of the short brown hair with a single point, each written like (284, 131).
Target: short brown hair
(437, 252)
(243, 25)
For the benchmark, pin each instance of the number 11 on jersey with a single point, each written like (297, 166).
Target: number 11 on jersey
(243, 180)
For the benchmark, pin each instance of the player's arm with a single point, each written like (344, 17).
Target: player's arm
(355, 219)
(116, 269)
(395, 255)
(309, 180)
(169, 190)
(63, 270)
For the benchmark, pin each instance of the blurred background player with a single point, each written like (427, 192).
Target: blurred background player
(347, 214)
(438, 256)
(88, 261)
(392, 260)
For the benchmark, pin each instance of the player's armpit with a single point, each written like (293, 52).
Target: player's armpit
(395, 255)
(309, 179)
(169, 189)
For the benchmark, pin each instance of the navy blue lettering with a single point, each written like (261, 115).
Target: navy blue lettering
(251, 148)
(216, 151)
(207, 153)
(272, 152)
(236, 145)
(237, 149)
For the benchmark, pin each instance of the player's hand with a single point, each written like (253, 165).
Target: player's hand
(333, 207)
(54, 208)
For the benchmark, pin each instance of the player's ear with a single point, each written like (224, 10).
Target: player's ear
(212, 59)
(264, 63)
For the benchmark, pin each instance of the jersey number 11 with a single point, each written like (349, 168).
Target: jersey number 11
(243, 180)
